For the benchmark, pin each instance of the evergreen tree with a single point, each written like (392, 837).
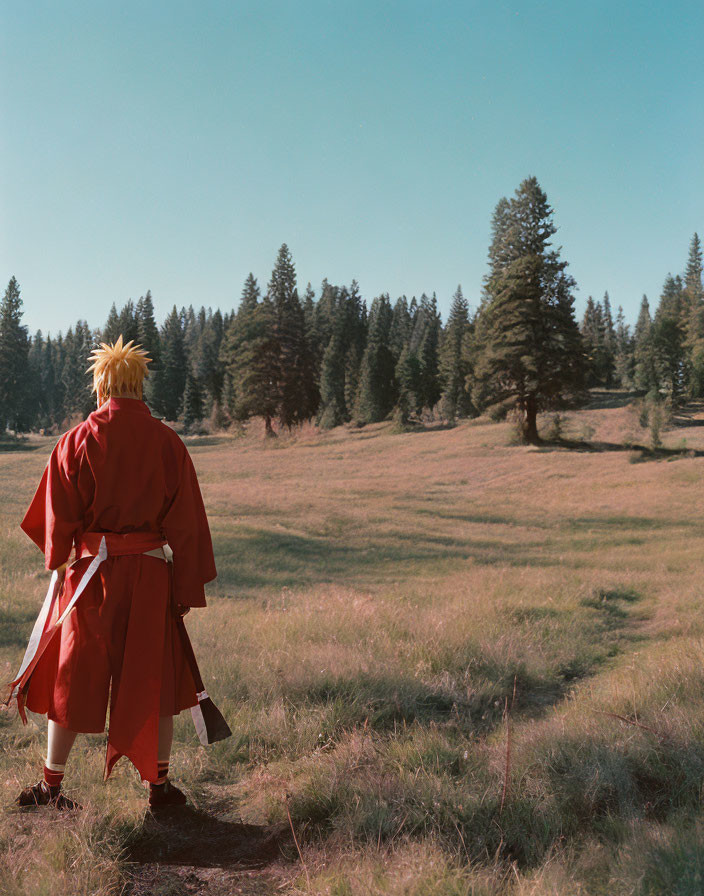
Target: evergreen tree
(669, 333)
(127, 323)
(609, 342)
(169, 379)
(14, 366)
(623, 360)
(333, 409)
(192, 402)
(209, 370)
(77, 382)
(309, 314)
(591, 338)
(191, 329)
(319, 328)
(532, 356)
(408, 375)
(599, 341)
(59, 358)
(401, 327)
(694, 326)
(111, 330)
(453, 367)
(37, 405)
(297, 387)
(645, 375)
(423, 345)
(250, 357)
(147, 330)
(377, 387)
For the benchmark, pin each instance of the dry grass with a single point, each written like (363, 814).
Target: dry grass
(378, 596)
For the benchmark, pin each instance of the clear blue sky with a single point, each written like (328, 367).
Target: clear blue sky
(174, 146)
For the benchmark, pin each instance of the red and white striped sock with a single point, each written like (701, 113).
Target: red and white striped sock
(162, 773)
(54, 775)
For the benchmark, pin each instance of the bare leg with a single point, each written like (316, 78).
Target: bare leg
(166, 736)
(59, 743)
(162, 792)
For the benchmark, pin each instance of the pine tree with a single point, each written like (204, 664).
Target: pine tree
(377, 387)
(59, 359)
(127, 323)
(532, 356)
(37, 405)
(609, 362)
(623, 360)
(192, 402)
(333, 410)
(453, 367)
(78, 399)
(401, 327)
(297, 387)
(668, 335)
(407, 373)
(14, 366)
(694, 325)
(645, 375)
(250, 357)
(169, 379)
(147, 330)
(111, 330)
(210, 370)
(591, 338)
(191, 326)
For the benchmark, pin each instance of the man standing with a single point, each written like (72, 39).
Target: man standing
(121, 489)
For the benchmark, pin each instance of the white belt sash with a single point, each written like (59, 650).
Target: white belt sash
(52, 595)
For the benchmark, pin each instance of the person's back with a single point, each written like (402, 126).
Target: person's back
(121, 489)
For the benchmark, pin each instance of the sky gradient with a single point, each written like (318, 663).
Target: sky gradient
(174, 146)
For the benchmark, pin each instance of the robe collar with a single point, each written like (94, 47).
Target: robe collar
(127, 404)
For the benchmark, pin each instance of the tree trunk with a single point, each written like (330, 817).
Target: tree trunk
(269, 432)
(530, 421)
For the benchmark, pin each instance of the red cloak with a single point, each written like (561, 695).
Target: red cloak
(126, 473)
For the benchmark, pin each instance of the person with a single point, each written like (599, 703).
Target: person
(119, 488)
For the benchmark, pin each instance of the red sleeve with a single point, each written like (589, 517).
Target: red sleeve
(188, 534)
(56, 510)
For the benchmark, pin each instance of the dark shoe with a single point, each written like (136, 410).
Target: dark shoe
(165, 795)
(40, 794)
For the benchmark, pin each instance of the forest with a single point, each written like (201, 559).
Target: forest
(333, 358)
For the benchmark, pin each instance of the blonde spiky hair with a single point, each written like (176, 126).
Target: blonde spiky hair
(118, 368)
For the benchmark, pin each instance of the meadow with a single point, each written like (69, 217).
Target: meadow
(452, 665)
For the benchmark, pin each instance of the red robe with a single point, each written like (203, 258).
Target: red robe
(120, 471)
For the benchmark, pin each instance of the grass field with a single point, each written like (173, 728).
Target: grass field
(453, 666)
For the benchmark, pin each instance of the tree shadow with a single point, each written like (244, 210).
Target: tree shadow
(187, 836)
(8, 444)
(683, 420)
(598, 447)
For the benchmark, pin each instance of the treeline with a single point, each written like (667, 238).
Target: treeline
(332, 359)
(664, 354)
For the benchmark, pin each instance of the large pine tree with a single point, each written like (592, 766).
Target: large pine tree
(16, 411)
(297, 387)
(250, 359)
(532, 353)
